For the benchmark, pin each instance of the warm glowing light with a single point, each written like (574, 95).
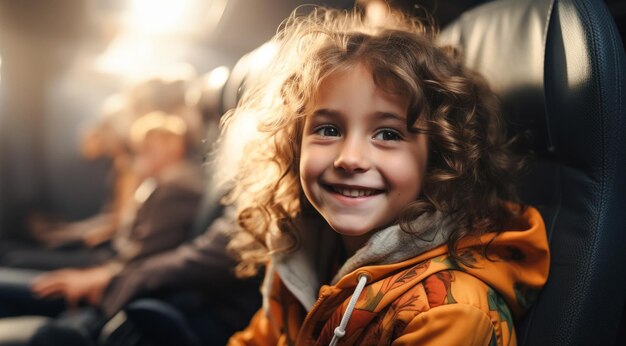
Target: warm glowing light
(217, 77)
(377, 12)
(114, 104)
(160, 16)
(263, 55)
(172, 124)
(128, 56)
(134, 57)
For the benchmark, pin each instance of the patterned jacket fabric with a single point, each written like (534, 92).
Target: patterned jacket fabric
(428, 299)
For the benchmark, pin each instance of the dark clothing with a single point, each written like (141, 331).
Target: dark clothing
(52, 259)
(16, 298)
(196, 279)
(162, 222)
(202, 266)
(198, 297)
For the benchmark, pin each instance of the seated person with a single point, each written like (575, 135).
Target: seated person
(381, 195)
(170, 192)
(166, 91)
(108, 139)
(169, 197)
(196, 278)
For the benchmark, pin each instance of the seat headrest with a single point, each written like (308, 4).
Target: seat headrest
(504, 41)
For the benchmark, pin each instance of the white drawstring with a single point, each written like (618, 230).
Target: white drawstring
(340, 331)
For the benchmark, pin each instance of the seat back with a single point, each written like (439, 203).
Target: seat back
(560, 70)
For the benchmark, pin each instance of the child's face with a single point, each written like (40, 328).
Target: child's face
(360, 166)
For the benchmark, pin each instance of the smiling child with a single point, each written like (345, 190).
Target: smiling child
(380, 193)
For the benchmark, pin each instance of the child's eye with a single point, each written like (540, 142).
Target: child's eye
(327, 131)
(388, 135)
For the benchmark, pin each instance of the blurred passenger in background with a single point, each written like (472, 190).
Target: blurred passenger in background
(167, 92)
(196, 279)
(108, 139)
(168, 196)
(92, 241)
(168, 199)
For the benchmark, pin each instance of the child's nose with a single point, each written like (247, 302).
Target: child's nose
(353, 157)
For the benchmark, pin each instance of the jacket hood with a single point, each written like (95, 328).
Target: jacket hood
(304, 270)
(516, 265)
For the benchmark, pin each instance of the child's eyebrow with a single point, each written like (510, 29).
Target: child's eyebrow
(331, 113)
(326, 113)
(390, 116)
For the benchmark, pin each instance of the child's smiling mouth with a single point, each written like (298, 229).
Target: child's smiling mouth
(351, 191)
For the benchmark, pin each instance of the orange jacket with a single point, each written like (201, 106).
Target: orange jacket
(424, 300)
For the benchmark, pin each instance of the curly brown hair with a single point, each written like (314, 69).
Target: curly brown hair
(471, 173)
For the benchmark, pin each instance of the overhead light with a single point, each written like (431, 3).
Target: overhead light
(160, 16)
(217, 77)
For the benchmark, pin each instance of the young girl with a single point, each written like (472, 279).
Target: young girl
(380, 194)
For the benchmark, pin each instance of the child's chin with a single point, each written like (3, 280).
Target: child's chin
(350, 231)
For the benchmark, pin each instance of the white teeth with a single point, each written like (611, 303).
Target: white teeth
(354, 192)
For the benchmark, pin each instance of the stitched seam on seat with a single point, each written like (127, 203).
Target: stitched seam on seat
(604, 112)
(618, 81)
(595, 69)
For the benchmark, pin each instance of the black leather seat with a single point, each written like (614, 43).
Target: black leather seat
(560, 69)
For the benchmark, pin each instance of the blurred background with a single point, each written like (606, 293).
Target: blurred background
(62, 59)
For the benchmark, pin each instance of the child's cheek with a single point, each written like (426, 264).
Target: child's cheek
(310, 167)
(404, 173)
